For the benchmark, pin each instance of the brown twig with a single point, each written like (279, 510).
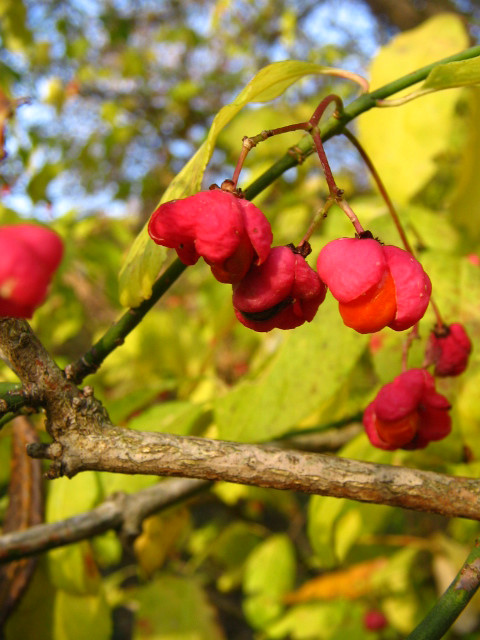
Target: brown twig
(121, 512)
(85, 439)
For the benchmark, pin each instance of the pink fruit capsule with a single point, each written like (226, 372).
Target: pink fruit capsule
(283, 292)
(29, 256)
(407, 413)
(229, 232)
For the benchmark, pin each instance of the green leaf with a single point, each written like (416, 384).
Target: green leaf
(144, 259)
(80, 617)
(70, 496)
(323, 513)
(34, 610)
(140, 270)
(172, 608)
(322, 620)
(335, 524)
(73, 568)
(307, 369)
(181, 418)
(269, 575)
(405, 142)
(453, 74)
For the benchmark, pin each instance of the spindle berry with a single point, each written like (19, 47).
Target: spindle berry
(375, 620)
(376, 285)
(29, 256)
(283, 292)
(449, 348)
(407, 413)
(229, 232)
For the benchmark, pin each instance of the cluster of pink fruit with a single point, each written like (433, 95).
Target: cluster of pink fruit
(273, 287)
(376, 286)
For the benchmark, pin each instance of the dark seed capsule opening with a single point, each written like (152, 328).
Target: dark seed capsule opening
(267, 314)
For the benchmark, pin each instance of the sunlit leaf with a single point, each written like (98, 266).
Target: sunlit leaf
(453, 74)
(325, 620)
(173, 608)
(405, 141)
(269, 575)
(307, 369)
(352, 583)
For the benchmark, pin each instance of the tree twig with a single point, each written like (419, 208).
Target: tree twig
(122, 512)
(85, 439)
(117, 333)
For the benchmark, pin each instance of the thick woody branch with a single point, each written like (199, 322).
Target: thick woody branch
(121, 512)
(85, 439)
(133, 452)
(66, 406)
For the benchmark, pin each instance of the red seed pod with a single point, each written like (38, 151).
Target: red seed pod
(375, 620)
(376, 286)
(449, 349)
(29, 256)
(229, 232)
(407, 413)
(283, 292)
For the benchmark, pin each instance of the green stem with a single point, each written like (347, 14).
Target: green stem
(335, 125)
(13, 397)
(117, 333)
(452, 602)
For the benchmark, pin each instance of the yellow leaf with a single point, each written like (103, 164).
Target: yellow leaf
(404, 141)
(160, 535)
(351, 583)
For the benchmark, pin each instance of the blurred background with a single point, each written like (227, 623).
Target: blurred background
(113, 97)
(120, 94)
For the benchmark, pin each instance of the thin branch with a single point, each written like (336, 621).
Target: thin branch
(91, 360)
(452, 602)
(122, 512)
(117, 333)
(15, 402)
(334, 125)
